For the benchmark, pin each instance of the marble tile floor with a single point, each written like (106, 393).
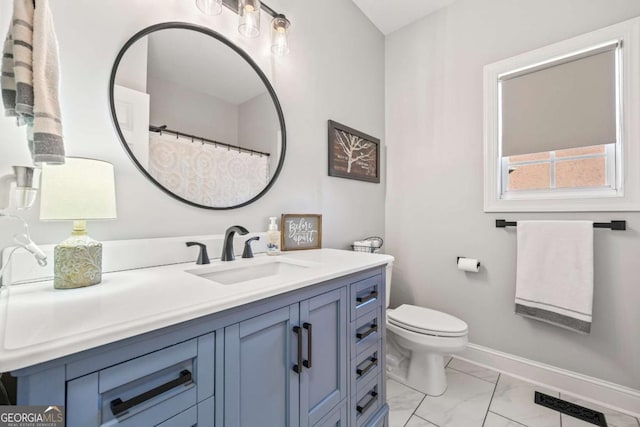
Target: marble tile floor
(479, 397)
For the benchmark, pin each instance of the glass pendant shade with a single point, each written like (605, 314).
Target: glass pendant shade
(279, 32)
(210, 7)
(249, 13)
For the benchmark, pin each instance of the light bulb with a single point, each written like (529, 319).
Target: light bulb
(210, 7)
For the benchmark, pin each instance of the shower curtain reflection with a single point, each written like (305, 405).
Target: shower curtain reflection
(205, 173)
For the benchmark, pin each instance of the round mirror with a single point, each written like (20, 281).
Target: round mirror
(197, 116)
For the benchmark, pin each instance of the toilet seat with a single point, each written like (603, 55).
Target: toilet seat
(426, 321)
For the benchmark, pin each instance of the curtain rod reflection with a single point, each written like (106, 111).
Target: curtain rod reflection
(163, 129)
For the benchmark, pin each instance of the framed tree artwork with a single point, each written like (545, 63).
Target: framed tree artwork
(353, 154)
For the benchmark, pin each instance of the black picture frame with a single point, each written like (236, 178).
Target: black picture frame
(344, 145)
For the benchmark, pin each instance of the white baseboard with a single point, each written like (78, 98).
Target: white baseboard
(614, 396)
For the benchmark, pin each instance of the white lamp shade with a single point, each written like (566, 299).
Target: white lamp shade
(81, 189)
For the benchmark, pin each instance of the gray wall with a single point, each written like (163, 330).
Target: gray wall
(332, 73)
(188, 111)
(434, 204)
(259, 127)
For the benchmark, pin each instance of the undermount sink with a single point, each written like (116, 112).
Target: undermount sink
(250, 270)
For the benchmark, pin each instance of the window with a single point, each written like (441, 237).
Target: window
(562, 125)
(579, 169)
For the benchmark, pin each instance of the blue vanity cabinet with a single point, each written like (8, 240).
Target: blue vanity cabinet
(367, 368)
(323, 384)
(260, 388)
(166, 387)
(287, 367)
(312, 357)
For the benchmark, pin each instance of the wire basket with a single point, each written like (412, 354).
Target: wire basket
(376, 244)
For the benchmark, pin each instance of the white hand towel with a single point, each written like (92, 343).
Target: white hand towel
(554, 280)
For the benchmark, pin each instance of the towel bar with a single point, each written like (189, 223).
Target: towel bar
(613, 225)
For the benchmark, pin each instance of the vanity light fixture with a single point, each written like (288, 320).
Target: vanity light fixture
(79, 190)
(249, 20)
(210, 7)
(279, 31)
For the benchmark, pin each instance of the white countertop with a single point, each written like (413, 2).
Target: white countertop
(39, 323)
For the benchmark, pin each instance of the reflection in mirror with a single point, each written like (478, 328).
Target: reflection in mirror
(559, 124)
(197, 116)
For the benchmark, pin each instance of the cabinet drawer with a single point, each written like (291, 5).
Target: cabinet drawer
(200, 415)
(366, 365)
(365, 330)
(366, 402)
(147, 390)
(365, 296)
(187, 418)
(152, 387)
(336, 418)
(379, 420)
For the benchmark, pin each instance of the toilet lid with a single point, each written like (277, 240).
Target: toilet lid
(426, 321)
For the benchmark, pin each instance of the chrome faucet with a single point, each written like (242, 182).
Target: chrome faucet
(227, 249)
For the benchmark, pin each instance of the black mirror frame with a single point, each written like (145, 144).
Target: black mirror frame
(239, 51)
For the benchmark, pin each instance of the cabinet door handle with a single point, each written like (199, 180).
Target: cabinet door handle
(297, 368)
(118, 406)
(362, 335)
(374, 397)
(372, 295)
(372, 362)
(309, 328)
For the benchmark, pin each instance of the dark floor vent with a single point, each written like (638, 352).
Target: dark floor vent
(571, 409)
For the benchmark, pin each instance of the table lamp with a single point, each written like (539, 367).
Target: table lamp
(78, 191)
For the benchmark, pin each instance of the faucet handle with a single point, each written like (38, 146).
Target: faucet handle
(203, 257)
(248, 253)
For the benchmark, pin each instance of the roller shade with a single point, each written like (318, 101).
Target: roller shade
(567, 104)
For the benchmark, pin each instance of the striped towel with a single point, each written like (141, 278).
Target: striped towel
(30, 79)
(17, 64)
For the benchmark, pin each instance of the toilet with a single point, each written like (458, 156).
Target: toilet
(417, 340)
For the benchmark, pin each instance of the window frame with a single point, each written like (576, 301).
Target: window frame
(626, 195)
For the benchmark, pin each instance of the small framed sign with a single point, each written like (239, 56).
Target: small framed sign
(301, 231)
(353, 154)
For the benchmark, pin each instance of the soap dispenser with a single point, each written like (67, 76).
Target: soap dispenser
(273, 237)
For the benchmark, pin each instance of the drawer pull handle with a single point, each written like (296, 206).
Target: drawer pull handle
(297, 368)
(118, 406)
(372, 362)
(374, 397)
(372, 295)
(362, 335)
(309, 328)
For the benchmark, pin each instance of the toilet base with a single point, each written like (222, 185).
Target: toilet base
(427, 374)
(428, 377)
(418, 360)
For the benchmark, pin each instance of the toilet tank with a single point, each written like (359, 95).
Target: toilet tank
(388, 283)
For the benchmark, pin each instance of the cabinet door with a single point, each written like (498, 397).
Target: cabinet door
(261, 388)
(323, 382)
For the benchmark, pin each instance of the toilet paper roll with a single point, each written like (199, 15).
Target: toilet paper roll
(468, 264)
